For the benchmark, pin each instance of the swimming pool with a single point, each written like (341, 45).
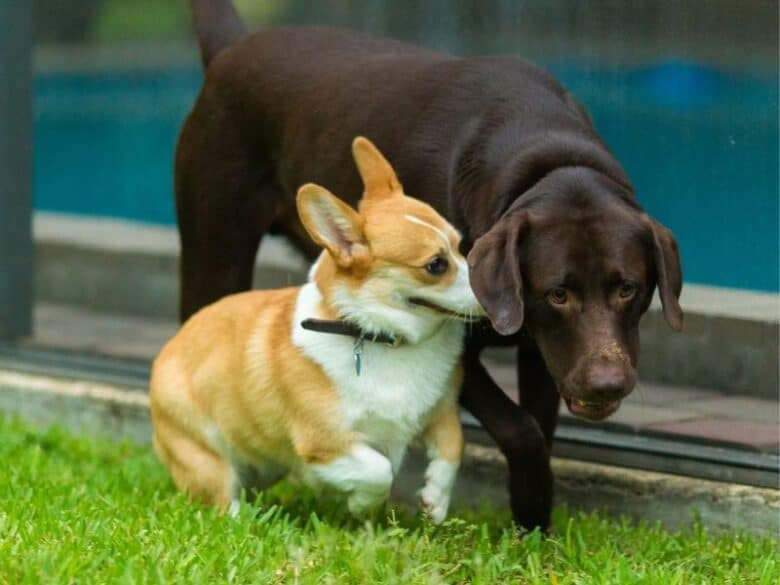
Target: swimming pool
(701, 146)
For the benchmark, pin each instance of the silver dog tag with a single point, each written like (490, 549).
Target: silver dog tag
(358, 352)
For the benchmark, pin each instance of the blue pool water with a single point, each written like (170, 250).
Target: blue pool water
(700, 145)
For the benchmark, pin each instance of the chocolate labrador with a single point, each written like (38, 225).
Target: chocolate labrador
(561, 255)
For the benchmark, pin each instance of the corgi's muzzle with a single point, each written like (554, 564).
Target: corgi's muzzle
(421, 302)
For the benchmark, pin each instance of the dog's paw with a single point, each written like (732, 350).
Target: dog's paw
(435, 494)
(434, 503)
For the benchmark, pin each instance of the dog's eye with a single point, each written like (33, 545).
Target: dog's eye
(557, 295)
(437, 266)
(627, 290)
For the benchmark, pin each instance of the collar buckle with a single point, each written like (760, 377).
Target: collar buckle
(357, 352)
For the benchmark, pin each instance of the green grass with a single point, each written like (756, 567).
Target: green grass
(75, 510)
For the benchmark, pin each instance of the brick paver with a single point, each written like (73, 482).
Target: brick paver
(761, 436)
(638, 416)
(740, 407)
(647, 393)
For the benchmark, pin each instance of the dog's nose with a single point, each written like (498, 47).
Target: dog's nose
(608, 381)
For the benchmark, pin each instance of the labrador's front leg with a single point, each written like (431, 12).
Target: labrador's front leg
(443, 438)
(520, 438)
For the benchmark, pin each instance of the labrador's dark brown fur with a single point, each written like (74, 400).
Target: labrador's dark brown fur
(562, 257)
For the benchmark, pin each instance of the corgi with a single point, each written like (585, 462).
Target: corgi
(330, 381)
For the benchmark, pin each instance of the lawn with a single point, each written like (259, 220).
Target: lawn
(76, 510)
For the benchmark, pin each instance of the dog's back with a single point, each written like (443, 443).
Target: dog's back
(419, 103)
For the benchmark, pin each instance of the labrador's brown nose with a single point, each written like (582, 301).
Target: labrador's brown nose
(608, 380)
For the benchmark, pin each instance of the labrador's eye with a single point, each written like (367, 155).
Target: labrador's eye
(557, 295)
(627, 290)
(437, 266)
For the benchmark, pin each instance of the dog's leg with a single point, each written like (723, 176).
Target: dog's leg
(225, 202)
(197, 470)
(518, 435)
(363, 473)
(538, 393)
(218, 249)
(443, 438)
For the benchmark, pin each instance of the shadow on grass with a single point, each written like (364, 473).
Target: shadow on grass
(309, 509)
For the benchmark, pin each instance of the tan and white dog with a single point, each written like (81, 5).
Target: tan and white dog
(330, 381)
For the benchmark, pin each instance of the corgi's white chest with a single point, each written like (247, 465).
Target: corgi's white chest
(391, 399)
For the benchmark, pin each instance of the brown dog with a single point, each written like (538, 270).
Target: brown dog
(562, 257)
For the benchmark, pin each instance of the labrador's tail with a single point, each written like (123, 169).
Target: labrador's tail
(217, 26)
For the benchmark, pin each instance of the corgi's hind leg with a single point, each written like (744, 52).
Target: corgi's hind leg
(258, 477)
(196, 469)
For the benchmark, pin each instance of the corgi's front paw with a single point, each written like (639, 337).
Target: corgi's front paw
(435, 494)
(434, 503)
(364, 474)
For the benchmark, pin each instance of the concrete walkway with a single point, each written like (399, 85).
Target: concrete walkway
(701, 414)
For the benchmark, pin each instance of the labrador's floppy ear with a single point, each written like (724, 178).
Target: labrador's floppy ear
(494, 273)
(379, 178)
(668, 271)
(332, 224)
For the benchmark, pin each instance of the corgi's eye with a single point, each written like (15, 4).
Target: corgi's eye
(437, 266)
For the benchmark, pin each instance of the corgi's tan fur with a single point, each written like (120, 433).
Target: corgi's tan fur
(244, 395)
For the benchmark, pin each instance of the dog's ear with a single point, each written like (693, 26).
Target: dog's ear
(494, 273)
(332, 224)
(379, 179)
(668, 271)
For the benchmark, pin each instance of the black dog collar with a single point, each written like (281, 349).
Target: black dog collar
(349, 330)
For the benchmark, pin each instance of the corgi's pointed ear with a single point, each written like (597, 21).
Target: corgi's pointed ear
(379, 179)
(332, 224)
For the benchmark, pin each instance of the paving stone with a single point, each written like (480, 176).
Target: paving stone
(763, 436)
(643, 415)
(77, 329)
(504, 375)
(740, 407)
(660, 395)
(635, 416)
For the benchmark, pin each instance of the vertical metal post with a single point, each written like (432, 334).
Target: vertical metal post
(16, 247)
